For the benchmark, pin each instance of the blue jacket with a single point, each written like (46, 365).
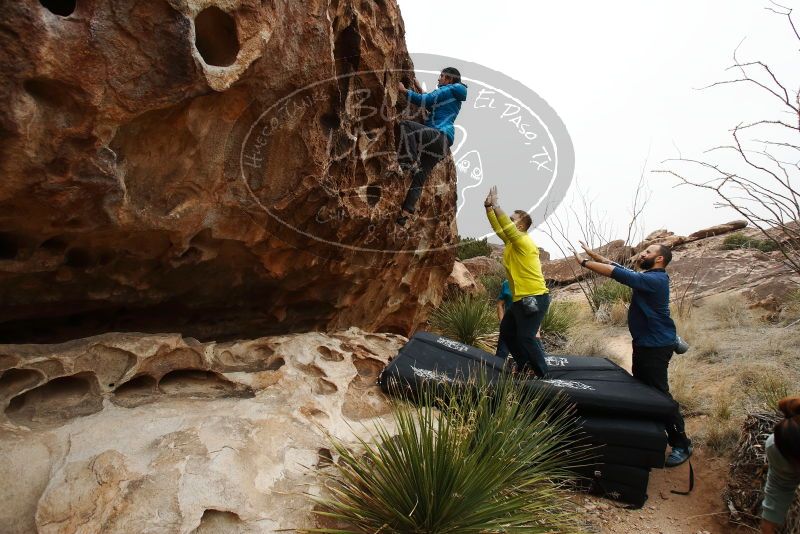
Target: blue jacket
(443, 103)
(505, 295)
(648, 316)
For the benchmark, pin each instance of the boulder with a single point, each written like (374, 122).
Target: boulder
(718, 229)
(562, 272)
(669, 239)
(213, 169)
(462, 280)
(482, 265)
(159, 433)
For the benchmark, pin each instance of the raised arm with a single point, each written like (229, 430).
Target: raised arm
(427, 100)
(495, 224)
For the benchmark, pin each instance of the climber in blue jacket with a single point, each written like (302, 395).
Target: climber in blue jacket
(422, 146)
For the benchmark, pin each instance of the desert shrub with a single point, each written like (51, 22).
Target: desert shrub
(721, 435)
(492, 282)
(469, 319)
(764, 387)
(608, 292)
(790, 309)
(721, 429)
(560, 317)
(471, 460)
(738, 240)
(469, 247)
(730, 310)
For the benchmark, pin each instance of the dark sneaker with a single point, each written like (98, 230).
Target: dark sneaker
(402, 220)
(678, 456)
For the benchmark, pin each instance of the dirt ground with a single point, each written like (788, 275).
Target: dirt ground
(703, 511)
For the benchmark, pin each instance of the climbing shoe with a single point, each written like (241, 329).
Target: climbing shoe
(678, 456)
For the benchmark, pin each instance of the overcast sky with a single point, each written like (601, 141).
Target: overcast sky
(624, 77)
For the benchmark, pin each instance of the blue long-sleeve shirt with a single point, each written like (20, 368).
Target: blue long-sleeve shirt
(443, 103)
(648, 315)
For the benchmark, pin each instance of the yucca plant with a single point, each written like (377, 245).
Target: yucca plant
(467, 318)
(610, 291)
(468, 460)
(559, 318)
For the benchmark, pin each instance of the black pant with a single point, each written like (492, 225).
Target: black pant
(424, 145)
(518, 333)
(650, 365)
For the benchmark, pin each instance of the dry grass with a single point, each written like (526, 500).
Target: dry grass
(730, 310)
(722, 426)
(707, 349)
(682, 387)
(685, 326)
(618, 313)
(763, 386)
(587, 339)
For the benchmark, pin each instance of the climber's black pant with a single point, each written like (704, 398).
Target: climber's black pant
(425, 146)
(650, 365)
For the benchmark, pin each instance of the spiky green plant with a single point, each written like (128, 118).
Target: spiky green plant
(610, 291)
(492, 282)
(466, 460)
(559, 318)
(467, 318)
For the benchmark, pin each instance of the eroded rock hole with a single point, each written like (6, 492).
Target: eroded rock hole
(373, 195)
(60, 399)
(215, 37)
(200, 383)
(136, 385)
(9, 246)
(62, 8)
(276, 364)
(330, 121)
(55, 245)
(324, 387)
(347, 47)
(136, 391)
(217, 521)
(324, 457)
(51, 93)
(15, 380)
(78, 258)
(330, 354)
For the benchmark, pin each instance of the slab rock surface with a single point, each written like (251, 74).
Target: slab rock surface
(217, 168)
(144, 433)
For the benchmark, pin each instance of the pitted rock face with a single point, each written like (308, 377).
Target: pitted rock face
(124, 205)
(218, 437)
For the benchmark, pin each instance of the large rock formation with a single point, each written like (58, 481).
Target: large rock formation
(214, 168)
(125, 433)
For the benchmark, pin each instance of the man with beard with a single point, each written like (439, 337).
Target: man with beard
(651, 327)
